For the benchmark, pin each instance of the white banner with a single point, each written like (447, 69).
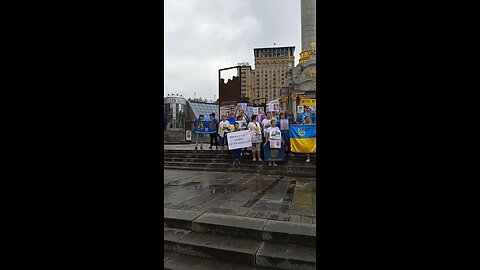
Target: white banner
(239, 139)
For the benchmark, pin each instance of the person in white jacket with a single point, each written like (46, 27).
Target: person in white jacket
(223, 129)
(256, 132)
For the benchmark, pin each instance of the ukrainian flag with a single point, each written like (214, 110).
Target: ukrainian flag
(303, 138)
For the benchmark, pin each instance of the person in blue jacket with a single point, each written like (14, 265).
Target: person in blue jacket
(285, 131)
(299, 118)
(308, 112)
(231, 118)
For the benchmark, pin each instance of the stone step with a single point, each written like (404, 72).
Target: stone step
(245, 169)
(219, 152)
(263, 165)
(246, 158)
(238, 226)
(244, 251)
(185, 262)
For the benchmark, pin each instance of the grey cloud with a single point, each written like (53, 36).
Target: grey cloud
(202, 36)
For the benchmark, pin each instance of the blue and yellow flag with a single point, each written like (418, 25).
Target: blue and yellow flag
(303, 138)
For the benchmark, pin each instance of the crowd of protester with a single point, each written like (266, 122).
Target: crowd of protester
(260, 127)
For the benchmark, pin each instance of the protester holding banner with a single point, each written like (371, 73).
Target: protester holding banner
(236, 152)
(273, 138)
(213, 136)
(223, 129)
(199, 136)
(266, 122)
(242, 124)
(256, 132)
(244, 115)
(231, 119)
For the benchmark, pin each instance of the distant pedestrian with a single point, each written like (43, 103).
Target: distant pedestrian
(214, 136)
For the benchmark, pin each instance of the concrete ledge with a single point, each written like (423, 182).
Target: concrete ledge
(171, 237)
(220, 247)
(236, 226)
(167, 255)
(196, 263)
(282, 256)
(312, 174)
(290, 233)
(179, 219)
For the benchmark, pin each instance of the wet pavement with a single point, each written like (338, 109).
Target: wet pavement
(243, 194)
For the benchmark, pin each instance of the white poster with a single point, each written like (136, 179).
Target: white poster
(269, 107)
(242, 106)
(299, 109)
(284, 124)
(239, 139)
(255, 110)
(275, 134)
(275, 144)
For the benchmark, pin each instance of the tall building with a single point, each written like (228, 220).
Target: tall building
(247, 75)
(270, 73)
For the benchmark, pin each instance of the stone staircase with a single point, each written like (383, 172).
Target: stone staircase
(218, 160)
(195, 240)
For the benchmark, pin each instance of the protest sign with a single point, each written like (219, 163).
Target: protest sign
(275, 134)
(284, 124)
(242, 106)
(273, 154)
(275, 143)
(239, 139)
(299, 109)
(205, 126)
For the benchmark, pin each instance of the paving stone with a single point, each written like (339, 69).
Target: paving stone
(251, 213)
(306, 219)
(273, 215)
(262, 214)
(294, 218)
(242, 211)
(230, 212)
(186, 207)
(283, 217)
(283, 256)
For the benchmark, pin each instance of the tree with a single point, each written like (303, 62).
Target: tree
(245, 100)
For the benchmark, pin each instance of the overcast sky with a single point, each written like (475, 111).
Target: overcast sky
(203, 36)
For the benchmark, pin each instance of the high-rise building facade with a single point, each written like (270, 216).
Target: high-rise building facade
(270, 73)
